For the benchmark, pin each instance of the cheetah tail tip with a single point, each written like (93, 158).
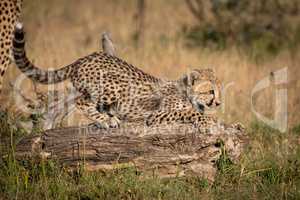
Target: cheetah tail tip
(19, 26)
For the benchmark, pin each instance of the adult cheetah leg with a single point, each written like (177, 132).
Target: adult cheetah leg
(102, 119)
(182, 116)
(10, 11)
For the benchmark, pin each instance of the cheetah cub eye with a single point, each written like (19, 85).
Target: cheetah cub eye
(203, 89)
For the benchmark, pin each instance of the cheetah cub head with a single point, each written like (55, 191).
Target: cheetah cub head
(202, 88)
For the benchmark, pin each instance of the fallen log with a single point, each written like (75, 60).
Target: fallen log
(166, 151)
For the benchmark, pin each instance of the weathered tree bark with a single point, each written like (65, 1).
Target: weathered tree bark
(166, 151)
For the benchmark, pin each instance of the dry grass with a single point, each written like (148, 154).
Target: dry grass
(60, 31)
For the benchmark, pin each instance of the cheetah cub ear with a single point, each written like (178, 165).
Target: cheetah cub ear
(189, 78)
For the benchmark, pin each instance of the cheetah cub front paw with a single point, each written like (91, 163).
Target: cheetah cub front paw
(111, 122)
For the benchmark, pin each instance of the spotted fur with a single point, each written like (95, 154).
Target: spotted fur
(10, 11)
(113, 90)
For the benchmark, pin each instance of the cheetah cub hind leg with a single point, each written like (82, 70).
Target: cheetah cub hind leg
(101, 120)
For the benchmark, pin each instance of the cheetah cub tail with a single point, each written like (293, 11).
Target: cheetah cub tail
(27, 67)
(19, 26)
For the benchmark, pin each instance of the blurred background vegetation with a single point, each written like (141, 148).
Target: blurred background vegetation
(260, 27)
(243, 40)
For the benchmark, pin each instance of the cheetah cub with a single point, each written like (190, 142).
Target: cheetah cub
(113, 91)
